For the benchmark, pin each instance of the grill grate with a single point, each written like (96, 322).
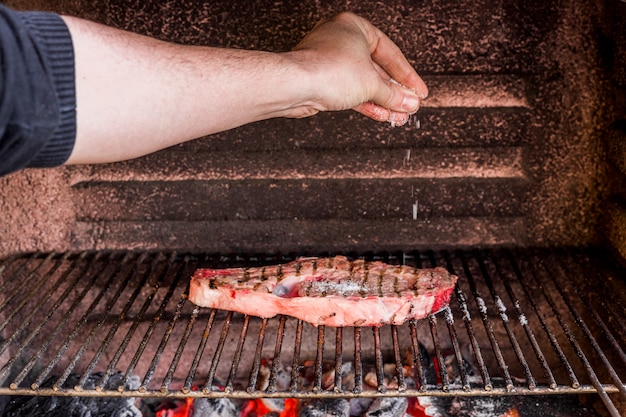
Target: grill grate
(521, 322)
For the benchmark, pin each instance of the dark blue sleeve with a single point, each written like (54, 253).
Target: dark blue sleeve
(37, 90)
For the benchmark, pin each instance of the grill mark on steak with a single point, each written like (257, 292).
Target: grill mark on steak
(366, 273)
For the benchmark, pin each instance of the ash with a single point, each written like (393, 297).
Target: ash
(77, 406)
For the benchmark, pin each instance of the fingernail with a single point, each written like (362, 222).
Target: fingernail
(410, 103)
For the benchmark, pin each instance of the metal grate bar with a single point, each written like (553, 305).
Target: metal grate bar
(179, 352)
(577, 285)
(276, 360)
(574, 383)
(358, 364)
(81, 383)
(579, 352)
(547, 372)
(148, 334)
(441, 365)
(295, 365)
(237, 358)
(159, 351)
(338, 359)
(420, 377)
(581, 323)
(482, 307)
(10, 298)
(208, 386)
(72, 336)
(398, 359)
(319, 360)
(530, 380)
(254, 373)
(457, 351)
(467, 320)
(133, 328)
(27, 321)
(33, 291)
(44, 346)
(201, 346)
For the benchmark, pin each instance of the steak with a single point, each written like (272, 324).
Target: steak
(326, 291)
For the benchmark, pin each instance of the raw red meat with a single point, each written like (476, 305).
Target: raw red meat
(326, 291)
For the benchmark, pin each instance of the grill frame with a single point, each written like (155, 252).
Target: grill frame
(490, 281)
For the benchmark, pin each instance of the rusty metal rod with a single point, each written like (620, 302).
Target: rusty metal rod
(544, 324)
(77, 327)
(556, 267)
(467, 320)
(159, 351)
(380, 371)
(208, 386)
(338, 359)
(280, 334)
(443, 375)
(120, 319)
(238, 351)
(398, 358)
(319, 360)
(521, 316)
(420, 376)
(114, 278)
(110, 370)
(28, 283)
(179, 351)
(9, 340)
(13, 276)
(199, 352)
(582, 290)
(530, 379)
(457, 350)
(482, 308)
(256, 364)
(35, 357)
(579, 352)
(148, 334)
(295, 364)
(358, 364)
(34, 289)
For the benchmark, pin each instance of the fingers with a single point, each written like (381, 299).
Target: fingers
(400, 88)
(387, 54)
(381, 114)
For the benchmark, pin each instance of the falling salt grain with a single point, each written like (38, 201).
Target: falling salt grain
(415, 206)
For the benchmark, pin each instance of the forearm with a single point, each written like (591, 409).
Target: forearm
(136, 95)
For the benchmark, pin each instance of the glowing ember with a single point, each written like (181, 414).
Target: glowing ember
(177, 408)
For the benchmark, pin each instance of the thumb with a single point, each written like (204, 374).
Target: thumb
(395, 97)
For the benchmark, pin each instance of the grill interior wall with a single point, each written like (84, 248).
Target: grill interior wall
(508, 151)
(614, 58)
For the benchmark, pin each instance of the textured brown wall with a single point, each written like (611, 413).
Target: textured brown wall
(509, 150)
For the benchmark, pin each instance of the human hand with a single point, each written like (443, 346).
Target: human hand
(355, 65)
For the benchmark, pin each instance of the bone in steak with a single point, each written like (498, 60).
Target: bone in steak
(326, 291)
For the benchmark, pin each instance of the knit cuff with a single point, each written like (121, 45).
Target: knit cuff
(58, 56)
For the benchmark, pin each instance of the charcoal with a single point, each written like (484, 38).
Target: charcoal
(325, 408)
(214, 407)
(359, 405)
(388, 407)
(77, 406)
